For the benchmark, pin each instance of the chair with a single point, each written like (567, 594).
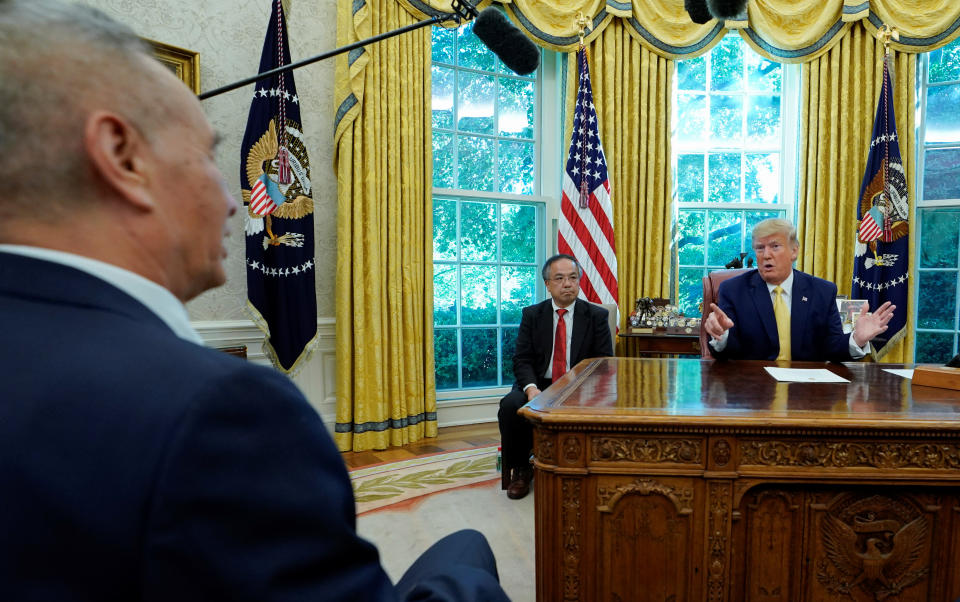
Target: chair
(611, 319)
(711, 284)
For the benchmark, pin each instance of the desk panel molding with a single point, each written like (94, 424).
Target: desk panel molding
(840, 454)
(682, 498)
(647, 450)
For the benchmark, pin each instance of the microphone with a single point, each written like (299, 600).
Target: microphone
(727, 9)
(506, 41)
(697, 9)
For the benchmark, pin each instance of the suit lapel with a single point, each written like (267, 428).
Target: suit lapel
(544, 334)
(579, 330)
(764, 308)
(799, 308)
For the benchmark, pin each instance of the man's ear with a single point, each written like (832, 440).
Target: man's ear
(120, 156)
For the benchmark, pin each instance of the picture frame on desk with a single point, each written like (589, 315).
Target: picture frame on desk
(185, 64)
(849, 310)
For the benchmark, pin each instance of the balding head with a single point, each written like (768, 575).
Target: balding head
(58, 62)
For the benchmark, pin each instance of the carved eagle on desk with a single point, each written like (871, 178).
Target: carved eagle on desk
(881, 568)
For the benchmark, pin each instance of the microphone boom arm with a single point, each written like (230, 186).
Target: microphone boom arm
(436, 19)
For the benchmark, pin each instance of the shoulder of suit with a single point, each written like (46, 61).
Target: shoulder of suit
(813, 281)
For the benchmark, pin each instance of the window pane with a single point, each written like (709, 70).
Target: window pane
(691, 290)
(442, 102)
(442, 40)
(445, 357)
(443, 162)
(508, 348)
(471, 52)
(475, 94)
(690, 227)
(518, 241)
(690, 178)
(945, 63)
(724, 178)
(936, 299)
(692, 74)
(727, 64)
(724, 237)
(726, 119)
(518, 287)
(516, 108)
(763, 74)
(941, 174)
(763, 120)
(516, 167)
(478, 231)
(475, 163)
(762, 178)
(444, 294)
(692, 121)
(943, 118)
(934, 347)
(478, 294)
(444, 230)
(940, 234)
(479, 357)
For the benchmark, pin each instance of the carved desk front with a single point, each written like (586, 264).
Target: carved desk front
(685, 479)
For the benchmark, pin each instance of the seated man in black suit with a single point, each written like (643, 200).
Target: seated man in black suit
(554, 335)
(136, 464)
(778, 313)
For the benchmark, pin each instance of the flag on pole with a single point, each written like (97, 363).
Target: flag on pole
(277, 192)
(586, 213)
(880, 258)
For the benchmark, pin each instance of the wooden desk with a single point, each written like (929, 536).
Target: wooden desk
(660, 345)
(683, 479)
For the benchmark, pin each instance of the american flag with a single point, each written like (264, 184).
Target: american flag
(586, 214)
(880, 269)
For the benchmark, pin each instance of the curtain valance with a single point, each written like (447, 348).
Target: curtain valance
(787, 31)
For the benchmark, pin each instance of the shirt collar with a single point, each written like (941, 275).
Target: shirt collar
(156, 298)
(786, 285)
(556, 307)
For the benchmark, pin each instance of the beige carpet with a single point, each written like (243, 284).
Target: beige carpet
(409, 505)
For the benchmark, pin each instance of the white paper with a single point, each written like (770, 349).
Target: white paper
(904, 372)
(805, 375)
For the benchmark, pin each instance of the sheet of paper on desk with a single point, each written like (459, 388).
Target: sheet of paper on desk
(904, 372)
(805, 375)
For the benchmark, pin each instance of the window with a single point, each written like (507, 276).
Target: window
(729, 145)
(938, 207)
(489, 220)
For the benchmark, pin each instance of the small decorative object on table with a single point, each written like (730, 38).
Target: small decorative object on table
(849, 311)
(659, 316)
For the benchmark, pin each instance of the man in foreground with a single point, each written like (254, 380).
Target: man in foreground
(554, 336)
(778, 313)
(136, 464)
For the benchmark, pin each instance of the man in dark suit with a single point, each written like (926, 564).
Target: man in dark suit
(554, 335)
(778, 313)
(135, 464)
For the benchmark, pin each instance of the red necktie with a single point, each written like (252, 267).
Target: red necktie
(560, 347)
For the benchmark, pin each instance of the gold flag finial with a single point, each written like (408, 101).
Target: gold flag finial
(885, 34)
(583, 24)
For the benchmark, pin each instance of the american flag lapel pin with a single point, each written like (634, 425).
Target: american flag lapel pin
(804, 299)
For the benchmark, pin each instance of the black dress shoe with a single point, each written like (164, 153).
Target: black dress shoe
(520, 483)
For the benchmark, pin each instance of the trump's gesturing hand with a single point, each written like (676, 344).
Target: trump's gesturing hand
(717, 322)
(870, 325)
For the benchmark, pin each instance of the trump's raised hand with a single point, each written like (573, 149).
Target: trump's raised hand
(870, 324)
(717, 322)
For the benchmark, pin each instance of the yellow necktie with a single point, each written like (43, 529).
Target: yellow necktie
(782, 315)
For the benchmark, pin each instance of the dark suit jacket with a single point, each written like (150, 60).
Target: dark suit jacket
(135, 465)
(590, 338)
(816, 333)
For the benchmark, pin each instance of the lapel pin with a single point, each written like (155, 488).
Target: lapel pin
(803, 299)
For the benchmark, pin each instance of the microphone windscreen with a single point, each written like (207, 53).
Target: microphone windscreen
(727, 9)
(506, 41)
(697, 9)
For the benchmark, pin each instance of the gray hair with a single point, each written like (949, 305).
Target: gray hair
(58, 62)
(776, 225)
(545, 272)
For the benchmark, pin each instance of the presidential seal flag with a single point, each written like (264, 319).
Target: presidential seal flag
(277, 193)
(880, 262)
(586, 213)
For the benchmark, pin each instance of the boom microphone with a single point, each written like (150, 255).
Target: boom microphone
(727, 9)
(697, 9)
(506, 41)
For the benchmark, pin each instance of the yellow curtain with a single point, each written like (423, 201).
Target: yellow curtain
(839, 93)
(635, 133)
(384, 288)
